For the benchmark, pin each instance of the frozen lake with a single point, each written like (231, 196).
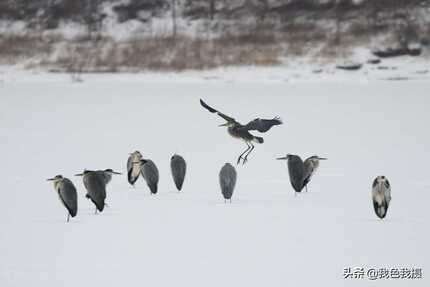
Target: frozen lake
(266, 237)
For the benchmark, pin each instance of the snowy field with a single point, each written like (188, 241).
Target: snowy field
(266, 237)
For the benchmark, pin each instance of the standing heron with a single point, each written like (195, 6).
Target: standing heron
(296, 171)
(381, 195)
(311, 165)
(95, 184)
(67, 194)
(239, 131)
(133, 167)
(150, 174)
(179, 168)
(227, 181)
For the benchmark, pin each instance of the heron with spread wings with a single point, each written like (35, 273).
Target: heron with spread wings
(239, 131)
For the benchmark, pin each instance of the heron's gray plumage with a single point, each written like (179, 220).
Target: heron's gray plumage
(150, 174)
(239, 131)
(134, 167)
(95, 184)
(263, 125)
(107, 174)
(179, 168)
(67, 194)
(381, 196)
(227, 180)
(311, 165)
(296, 171)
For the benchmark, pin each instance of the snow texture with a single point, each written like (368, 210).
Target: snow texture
(266, 236)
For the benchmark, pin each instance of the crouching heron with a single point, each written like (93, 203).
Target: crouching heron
(179, 168)
(133, 167)
(150, 174)
(67, 194)
(311, 165)
(239, 131)
(227, 181)
(95, 183)
(381, 196)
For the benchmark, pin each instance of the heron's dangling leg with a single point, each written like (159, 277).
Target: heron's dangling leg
(68, 217)
(95, 212)
(246, 156)
(238, 159)
(306, 187)
(230, 200)
(225, 200)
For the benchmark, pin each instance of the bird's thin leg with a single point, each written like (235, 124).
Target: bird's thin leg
(68, 217)
(238, 159)
(306, 187)
(230, 200)
(95, 212)
(225, 200)
(295, 194)
(246, 156)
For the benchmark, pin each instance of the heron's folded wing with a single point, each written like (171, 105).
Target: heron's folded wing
(308, 171)
(212, 110)
(129, 164)
(263, 125)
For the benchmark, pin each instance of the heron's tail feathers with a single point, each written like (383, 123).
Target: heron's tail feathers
(73, 211)
(259, 140)
(153, 187)
(380, 209)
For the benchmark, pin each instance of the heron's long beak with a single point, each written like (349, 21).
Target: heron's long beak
(50, 179)
(223, 125)
(322, 158)
(114, 172)
(282, 158)
(79, 174)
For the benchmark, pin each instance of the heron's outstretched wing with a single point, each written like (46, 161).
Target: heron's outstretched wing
(212, 110)
(263, 125)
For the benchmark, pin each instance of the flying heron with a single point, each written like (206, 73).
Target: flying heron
(311, 165)
(237, 130)
(227, 181)
(150, 174)
(95, 183)
(67, 194)
(381, 195)
(296, 170)
(179, 168)
(133, 167)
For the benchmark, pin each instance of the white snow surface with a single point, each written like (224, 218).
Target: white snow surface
(266, 236)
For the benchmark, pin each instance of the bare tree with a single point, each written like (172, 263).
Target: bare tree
(211, 9)
(92, 18)
(174, 25)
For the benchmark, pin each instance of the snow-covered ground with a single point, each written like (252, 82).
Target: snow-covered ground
(293, 70)
(266, 237)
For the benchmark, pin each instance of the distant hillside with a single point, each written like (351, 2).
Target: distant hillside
(182, 34)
